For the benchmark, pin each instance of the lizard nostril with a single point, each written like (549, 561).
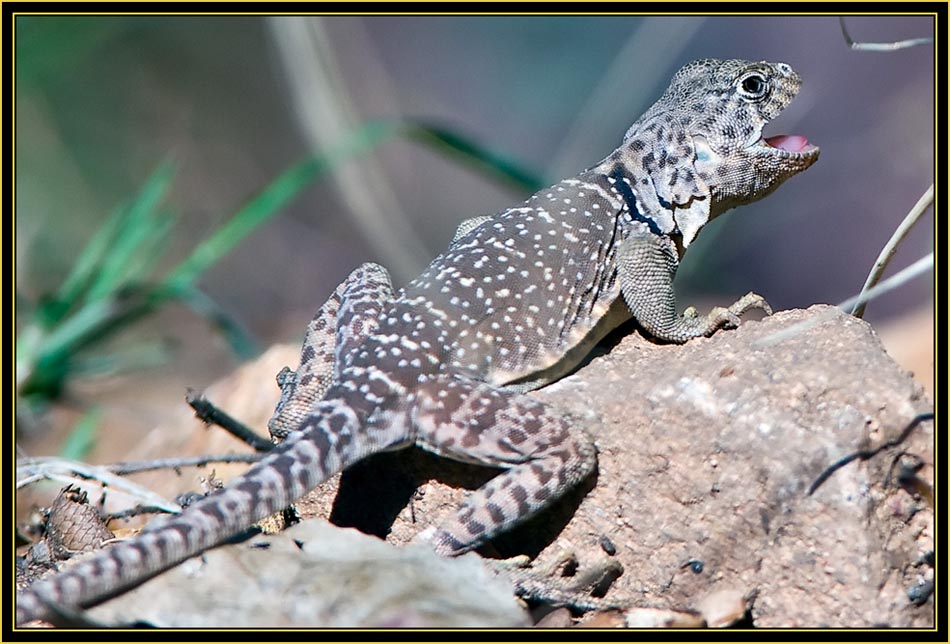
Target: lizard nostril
(784, 69)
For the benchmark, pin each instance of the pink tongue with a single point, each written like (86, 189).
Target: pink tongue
(786, 142)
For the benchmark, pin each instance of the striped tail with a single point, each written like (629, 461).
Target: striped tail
(303, 461)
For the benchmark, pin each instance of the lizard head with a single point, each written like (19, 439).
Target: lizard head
(701, 145)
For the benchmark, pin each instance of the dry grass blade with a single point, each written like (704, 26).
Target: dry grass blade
(919, 267)
(30, 470)
(881, 46)
(884, 258)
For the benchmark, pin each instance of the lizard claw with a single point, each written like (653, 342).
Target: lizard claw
(722, 318)
(518, 562)
(731, 317)
(748, 302)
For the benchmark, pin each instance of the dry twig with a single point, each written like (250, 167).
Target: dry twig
(880, 46)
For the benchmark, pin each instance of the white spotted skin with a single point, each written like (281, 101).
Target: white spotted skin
(523, 288)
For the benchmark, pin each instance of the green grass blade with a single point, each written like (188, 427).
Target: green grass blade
(478, 157)
(137, 357)
(51, 360)
(289, 184)
(134, 233)
(237, 337)
(83, 436)
(84, 270)
(270, 200)
(155, 238)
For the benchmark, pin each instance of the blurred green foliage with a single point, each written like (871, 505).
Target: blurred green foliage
(82, 438)
(111, 284)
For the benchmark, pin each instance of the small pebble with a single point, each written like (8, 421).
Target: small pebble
(662, 618)
(918, 594)
(722, 608)
(605, 619)
(557, 618)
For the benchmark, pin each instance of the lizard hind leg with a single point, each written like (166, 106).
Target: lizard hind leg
(349, 316)
(473, 422)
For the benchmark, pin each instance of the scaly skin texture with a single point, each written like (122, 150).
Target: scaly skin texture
(517, 301)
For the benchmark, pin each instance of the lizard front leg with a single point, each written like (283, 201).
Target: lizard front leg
(349, 315)
(646, 265)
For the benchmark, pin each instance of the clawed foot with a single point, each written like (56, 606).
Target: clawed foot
(730, 318)
(560, 583)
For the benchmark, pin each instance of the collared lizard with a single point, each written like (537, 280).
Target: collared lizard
(516, 302)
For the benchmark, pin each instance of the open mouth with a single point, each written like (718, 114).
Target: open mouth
(790, 144)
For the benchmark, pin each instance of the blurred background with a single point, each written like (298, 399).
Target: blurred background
(189, 119)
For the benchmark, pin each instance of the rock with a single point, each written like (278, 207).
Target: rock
(708, 450)
(317, 575)
(604, 619)
(706, 454)
(722, 607)
(661, 618)
(557, 618)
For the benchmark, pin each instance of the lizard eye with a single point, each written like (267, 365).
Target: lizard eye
(754, 86)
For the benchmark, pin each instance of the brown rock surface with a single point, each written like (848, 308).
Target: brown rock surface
(707, 451)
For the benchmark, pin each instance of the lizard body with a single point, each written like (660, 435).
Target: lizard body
(516, 301)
